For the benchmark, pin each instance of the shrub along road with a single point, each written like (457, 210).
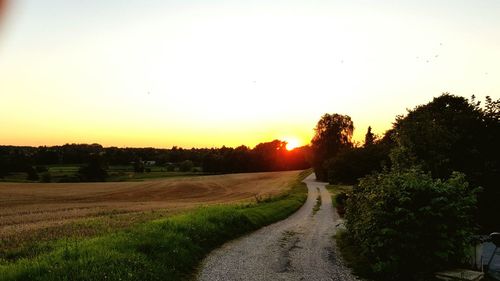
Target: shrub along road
(297, 248)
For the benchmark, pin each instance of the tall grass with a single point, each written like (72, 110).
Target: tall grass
(165, 249)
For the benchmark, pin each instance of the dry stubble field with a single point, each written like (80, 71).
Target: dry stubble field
(33, 212)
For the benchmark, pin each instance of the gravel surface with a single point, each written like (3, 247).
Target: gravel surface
(297, 248)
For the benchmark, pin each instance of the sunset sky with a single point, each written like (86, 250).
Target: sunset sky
(212, 73)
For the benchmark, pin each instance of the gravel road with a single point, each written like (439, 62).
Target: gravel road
(297, 248)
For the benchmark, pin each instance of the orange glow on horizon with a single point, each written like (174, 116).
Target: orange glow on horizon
(168, 74)
(292, 143)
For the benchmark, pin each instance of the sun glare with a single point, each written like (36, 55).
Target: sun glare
(292, 143)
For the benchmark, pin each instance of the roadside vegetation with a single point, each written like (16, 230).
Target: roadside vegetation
(163, 249)
(340, 194)
(420, 191)
(409, 225)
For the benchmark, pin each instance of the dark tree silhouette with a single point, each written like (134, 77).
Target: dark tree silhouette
(31, 174)
(139, 166)
(270, 156)
(452, 134)
(267, 156)
(95, 170)
(369, 137)
(354, 163)
(333, 133)
(186, 166)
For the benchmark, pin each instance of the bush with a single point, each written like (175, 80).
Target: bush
(46, 177)
(95, 170)
(170, 167)
(41, 169)
(186, 166)
(31, 174)
(139, 166)
(410, 225)
(69, 178)
(340, 202)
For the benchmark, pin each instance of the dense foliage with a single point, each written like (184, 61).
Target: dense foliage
(333, 134)
(413, 209)
(409, 224)
(450, 134)
(268, 156)
(94, 170)
(352, 163)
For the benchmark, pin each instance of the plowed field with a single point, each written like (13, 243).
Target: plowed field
(27, 207)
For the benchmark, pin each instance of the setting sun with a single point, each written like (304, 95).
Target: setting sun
(292, 143)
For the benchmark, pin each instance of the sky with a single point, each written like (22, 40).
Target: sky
(210, 73)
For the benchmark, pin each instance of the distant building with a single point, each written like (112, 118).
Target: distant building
(149, 163)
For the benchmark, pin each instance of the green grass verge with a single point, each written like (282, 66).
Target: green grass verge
(351, 254)
(29, 244)
(336, 189)
(317, 206)
(165, 249)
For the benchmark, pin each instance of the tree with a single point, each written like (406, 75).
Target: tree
(4, 170)
(31, 174)
(450, 134)
(46, 177)
(139, 166)
(95, 170)
(369, 137)
(186, 166)
(270, 156)
(351, 164)
(445, 135)
(333, 133)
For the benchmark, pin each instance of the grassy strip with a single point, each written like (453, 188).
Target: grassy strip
(351, 254)
(317, 206)
(166, 249)
(29, 244)
(336, 190)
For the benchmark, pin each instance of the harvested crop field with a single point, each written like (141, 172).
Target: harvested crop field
(28, 208)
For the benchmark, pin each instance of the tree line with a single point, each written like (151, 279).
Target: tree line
(94, 158)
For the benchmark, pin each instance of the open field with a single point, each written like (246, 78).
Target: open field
(33, 212)
(160, 247)
(69, 173)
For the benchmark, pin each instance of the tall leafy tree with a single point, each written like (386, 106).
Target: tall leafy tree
(95, 170)
(450, 134)
(333, 133)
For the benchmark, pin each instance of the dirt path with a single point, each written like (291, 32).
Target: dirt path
(298, 248)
